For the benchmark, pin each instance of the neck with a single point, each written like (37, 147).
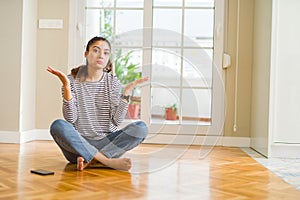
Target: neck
(94, 74)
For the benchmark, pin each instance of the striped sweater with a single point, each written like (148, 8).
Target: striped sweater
(96, 108)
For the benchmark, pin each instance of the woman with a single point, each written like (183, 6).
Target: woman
(93, 108)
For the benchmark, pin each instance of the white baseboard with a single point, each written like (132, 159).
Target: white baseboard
(198, 140)
(35, 134)
(281, 150)
(10, 137)
(43, 134)
(25, 136)
(277, 149)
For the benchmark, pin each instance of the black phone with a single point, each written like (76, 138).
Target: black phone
(41, 172)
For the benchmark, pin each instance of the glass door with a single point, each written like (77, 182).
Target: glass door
(186, 93)
(179, 45)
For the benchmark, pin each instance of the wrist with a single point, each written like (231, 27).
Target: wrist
(67, 87)
(126, 93)
(125, 98)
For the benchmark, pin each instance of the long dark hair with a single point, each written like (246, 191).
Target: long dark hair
(81, 72)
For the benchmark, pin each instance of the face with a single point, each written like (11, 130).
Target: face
(98, 55)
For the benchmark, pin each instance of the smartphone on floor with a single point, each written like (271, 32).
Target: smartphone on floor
(42, 172)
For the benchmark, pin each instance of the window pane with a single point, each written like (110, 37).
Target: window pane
(167, 27)
(201, 30)
(98, 3)
(197, 68)
(129, 39)
(128, 20)
(130, 3)
(196, 106)
(199, 3)
(135, 54)
(161, 98)
(167, 2)
(127, 64)
(124, 59)
(92, 23)
(99, 22)
(166, 66)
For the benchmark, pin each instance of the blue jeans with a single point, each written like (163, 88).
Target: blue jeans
(113, 145)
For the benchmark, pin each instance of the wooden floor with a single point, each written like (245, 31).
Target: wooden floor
(159, 172)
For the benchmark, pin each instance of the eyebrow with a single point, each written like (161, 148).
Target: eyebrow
(100, 48)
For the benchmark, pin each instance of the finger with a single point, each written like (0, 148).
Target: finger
(142, 80)
(52, 70)
(132, 84)
(55, 72)
(49, 69)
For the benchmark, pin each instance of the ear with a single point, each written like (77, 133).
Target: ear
(86, 53)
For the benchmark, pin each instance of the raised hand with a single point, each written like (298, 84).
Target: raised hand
(65, 81)
(63, 78)
(129, 87)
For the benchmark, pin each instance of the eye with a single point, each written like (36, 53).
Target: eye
(95, 50)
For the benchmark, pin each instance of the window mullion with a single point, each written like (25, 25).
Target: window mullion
(181, 62)
(147, 60)
(115, 21)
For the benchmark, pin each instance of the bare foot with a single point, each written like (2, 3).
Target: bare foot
(81, 164)
(118, 163)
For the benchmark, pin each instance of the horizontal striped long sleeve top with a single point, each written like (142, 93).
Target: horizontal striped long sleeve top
(96, 108)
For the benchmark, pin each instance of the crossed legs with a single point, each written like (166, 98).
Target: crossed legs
(107, 151)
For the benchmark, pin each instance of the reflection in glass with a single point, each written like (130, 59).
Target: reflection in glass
(128, 20)
(201, 31)
(196, 106)
(161, 98)
(199, 3)
(135, 57)
(167, 19)
(166, 66)
(99, 22)
(102, 3)
(197, 68)
(92, 23)
(130, 3)
(179, 74)
(127, 68)
(167, 2)
(130, 39)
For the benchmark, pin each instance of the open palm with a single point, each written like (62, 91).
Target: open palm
(63, 78)
(129, 87)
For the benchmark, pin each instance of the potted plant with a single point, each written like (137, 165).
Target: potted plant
(134, 108)
(126, 72)
(171, 112)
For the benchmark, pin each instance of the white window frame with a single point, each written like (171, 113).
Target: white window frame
(76, 50)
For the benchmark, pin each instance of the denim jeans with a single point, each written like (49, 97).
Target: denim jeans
(113, 145)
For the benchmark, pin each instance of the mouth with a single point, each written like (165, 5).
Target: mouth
(100, 62)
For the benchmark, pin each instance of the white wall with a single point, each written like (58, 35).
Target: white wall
(10, 56)
(18, 65)
(285, 72)
(28, 65)
(261, 75)
(275, 79)
(52, 50)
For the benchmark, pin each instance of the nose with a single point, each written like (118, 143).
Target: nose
(100, 53)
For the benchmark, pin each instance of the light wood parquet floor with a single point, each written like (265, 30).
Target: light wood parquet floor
(159, 172)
